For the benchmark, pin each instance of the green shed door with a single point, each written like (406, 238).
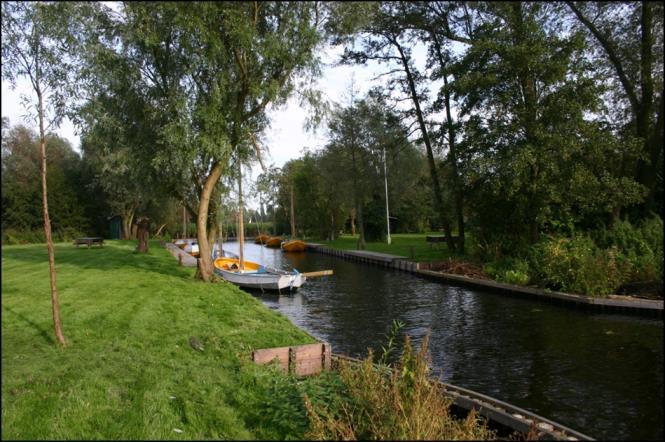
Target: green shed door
(115, 228)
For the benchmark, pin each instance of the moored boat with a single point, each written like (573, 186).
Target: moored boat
(274, 241)
(257, 276)
(261, 239)
(294, 246)
(192, 249)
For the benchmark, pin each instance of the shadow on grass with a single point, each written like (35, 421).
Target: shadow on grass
(44, 333)
(113, 256)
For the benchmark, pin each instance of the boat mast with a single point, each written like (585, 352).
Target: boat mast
(241, 226)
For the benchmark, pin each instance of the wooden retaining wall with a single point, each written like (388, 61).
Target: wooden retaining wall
(303, 360)
(642, 307)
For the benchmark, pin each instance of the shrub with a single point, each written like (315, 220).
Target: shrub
(640, 246)
(509, 270)
(577, 265)
(398, 404)
(13, 236)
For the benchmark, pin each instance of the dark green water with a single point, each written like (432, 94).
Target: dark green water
(598, 373)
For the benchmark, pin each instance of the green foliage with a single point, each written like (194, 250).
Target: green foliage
(577, 265)
(398, 404)
(273, 404)
(641, 246)
(509, 270)
(21, 185)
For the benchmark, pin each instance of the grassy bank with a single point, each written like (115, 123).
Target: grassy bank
(596, 263)
(410, 245)
(129, 371)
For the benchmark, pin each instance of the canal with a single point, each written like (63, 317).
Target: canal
(598, 373)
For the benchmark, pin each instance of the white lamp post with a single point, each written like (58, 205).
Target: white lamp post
(385, 180)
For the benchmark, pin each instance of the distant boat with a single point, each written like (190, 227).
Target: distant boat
(261, 239)
(257, 276)
(294, 246)
(189, 245)
(274, 241)
(192, 248)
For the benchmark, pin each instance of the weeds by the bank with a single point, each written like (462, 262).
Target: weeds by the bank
(398, 404)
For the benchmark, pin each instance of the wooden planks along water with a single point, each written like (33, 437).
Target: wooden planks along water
(303, 360)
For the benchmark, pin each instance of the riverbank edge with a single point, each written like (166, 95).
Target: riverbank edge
(642, 307)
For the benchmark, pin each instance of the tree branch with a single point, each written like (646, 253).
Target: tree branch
(614, 59)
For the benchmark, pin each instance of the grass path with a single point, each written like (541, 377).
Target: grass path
(129, 371)
(411, 245)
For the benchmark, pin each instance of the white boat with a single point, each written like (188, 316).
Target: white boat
(249, 274)
(192, 247)
(257, 276)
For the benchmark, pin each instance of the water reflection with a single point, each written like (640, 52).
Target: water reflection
(600, 374)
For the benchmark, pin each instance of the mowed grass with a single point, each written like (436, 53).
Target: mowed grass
(128, 371)
(411, 245)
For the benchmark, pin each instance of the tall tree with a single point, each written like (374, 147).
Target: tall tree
(529, 98)
(210, 72)
(34, 48)
(383, 36)
(628, 42)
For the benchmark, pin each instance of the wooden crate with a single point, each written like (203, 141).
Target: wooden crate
(303, 360)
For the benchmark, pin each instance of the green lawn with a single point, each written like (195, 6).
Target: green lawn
(411, 245)
(129, 371)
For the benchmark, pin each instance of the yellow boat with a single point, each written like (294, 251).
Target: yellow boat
(274, 241)
(256, 276)
(261, 239)
(294, 246)
(233, 263)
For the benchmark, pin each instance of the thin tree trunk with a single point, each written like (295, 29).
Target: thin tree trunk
(436, 186)
(353, 224)
(184, 221)
(205, 260)
(293, 214)
(452, 155)
(160, 229)
(241, 224)
(358, 203)
(55, 305)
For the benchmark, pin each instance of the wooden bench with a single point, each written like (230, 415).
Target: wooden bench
(439, 239)
(89, 240)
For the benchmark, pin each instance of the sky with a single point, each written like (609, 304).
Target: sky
(286, 136)
(284, 140)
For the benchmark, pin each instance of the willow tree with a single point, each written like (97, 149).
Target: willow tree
(36, 40)
(210, 73)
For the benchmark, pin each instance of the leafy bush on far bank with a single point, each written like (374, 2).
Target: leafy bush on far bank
(509, 270)
(577, 265)
(641, 246)
(596, 263)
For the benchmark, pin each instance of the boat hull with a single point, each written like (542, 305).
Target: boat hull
(274, 242)
(256, 276)
(294, 246)
(262, 281)
(261, 239)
